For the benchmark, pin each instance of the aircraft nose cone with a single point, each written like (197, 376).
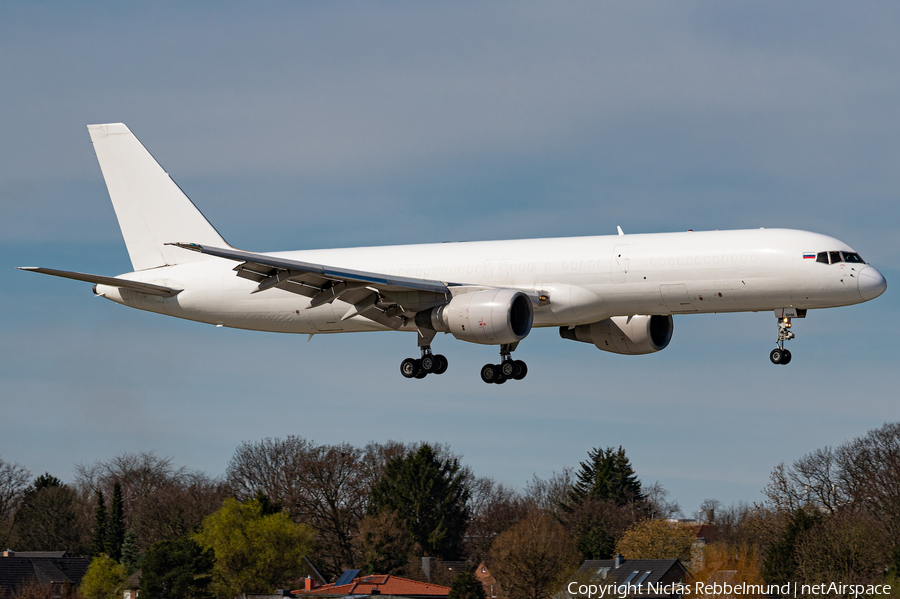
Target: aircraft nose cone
(871, 283)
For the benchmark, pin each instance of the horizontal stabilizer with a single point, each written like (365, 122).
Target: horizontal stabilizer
(110, 281)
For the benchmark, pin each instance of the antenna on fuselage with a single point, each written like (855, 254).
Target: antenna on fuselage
(619, 229)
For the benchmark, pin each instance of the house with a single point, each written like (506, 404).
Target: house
(51, 568)
(132, 587)
(651, 578)
(490, 584)
(349, 584)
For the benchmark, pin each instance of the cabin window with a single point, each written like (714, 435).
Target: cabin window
(822, 257)
(852, 258)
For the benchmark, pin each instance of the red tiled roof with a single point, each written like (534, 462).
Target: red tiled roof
(386, 584)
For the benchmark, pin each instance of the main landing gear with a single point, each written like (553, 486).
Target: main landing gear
(429, 363)
(506, 369)
(779, 355)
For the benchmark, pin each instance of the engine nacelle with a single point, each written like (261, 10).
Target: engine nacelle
(624, 334)
(492, 316)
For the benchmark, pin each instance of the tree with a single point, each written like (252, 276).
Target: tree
(48, 518)
(466, 586)
(493, 508)
(596, 524)
(104, 579)
(780, 562)
(604, 500)
(13, 482)
(325, 486)
(429, 495)
(383, 544)
(254, 553)
(847, 546)
(159, 501)
(179, 569)
(98, 538)
(131, 557)
(115, 526)
(657, 539)
(533, 558)
(606, 475)
(549, 495)
(741, 559)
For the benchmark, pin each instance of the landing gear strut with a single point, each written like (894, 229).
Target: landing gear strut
(779, 355)
(429, 363)
(506, 369)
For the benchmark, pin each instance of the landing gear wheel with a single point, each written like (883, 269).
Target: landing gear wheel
(508, 369)
(441, 364)
(409, 368)
(777, 355)
(501, 380)
(490, 373)
(786, 358)
(429, 364)
(521, 370)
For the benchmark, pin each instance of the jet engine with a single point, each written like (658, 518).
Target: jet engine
(492, 316)
(624, 334)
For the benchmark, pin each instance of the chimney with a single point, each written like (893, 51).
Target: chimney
(308, 584)
(618, 560)
(9, 553)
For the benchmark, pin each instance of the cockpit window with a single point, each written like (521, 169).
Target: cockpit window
(835, 257)
(822, 257)
(852, 257)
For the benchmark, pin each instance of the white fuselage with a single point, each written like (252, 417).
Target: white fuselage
(587, 278)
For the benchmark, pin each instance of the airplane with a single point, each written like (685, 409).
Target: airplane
(617, 292)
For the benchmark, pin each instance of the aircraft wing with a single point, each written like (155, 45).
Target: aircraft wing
(110, 281)
(388, 300)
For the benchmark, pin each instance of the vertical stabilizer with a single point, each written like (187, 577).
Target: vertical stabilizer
(151, 208)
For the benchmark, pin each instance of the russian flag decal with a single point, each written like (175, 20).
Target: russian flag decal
(809, 256)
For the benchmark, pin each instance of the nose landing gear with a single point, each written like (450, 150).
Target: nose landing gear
(507, 368)
(779, 355)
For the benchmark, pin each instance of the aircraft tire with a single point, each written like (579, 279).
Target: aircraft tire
(508, 369)
(409, 368)
(776, 355)
(521, 370)
(429, 364)
(786, 358)
(501, 380)
(442, 364)
(490, 373)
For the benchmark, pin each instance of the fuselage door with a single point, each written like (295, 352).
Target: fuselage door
(618, 266)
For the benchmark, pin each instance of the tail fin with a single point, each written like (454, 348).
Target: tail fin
(151, 208)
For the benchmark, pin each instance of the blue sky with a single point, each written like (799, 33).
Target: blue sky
(307, 125)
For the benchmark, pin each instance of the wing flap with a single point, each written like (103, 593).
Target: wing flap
(147, 288)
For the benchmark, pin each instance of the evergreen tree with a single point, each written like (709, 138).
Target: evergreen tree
(98, 542)
(600, 505)
(47, 519)
(131, 555)
(115, 526)
(780, 562)
(607, 475)
(429, 496)
(179, 569)
(466, 586)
